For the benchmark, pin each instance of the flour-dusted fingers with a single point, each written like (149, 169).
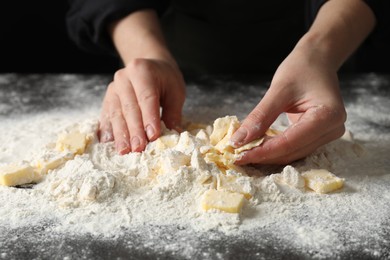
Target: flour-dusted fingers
(263, 115)
(315, 128)
(105, 133)
(261, 155)
(130, 110)
(118, 123)
(144, 79)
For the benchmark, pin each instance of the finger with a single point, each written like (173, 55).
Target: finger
(260, 119)
(119, 126)
(131, 111)
(253, 157)
(314, 124)
(105, 133)
(172, 107)
(143, 79)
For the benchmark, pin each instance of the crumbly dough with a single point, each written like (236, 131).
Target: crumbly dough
(203, 151)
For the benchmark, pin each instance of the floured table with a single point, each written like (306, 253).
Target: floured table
(352, 223)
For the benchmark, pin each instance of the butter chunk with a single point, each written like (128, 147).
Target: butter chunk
(13, 174)
(52, 162)
(74, 142)
(223, 161)
(249, 146)
(322, 181)
(257, 142)
(225, 145)
(221, 127)
(221, 200)
(168, 141)
(163, 142)
(235, 184)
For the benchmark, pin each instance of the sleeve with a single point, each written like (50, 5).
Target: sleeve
(87, 21)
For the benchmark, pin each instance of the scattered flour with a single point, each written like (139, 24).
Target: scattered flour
(104, 194)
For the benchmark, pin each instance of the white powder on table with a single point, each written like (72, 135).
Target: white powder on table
(104, 194)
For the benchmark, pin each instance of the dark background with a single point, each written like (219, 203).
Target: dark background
(33, 39)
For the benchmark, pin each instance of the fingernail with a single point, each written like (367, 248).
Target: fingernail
(123, 148)
(135, 143)
(239, 136)
(149, 132)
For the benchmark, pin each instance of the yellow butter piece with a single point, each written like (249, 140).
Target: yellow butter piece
(223, 161)
(222, 152)
(202, 135)
(322, 181)
(13, 174)
(44, 165)
(221, 127)
(230, 183)
(74, 142)
(257, 142)
(222, 200)
(249, 146)
(272, 132)
(167, 141)
(225, 145)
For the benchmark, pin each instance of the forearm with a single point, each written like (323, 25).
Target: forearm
(139, 35)
(338, 30)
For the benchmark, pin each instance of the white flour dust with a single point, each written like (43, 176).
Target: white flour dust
(104, 194)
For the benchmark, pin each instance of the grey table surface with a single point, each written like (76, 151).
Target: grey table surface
(208, 97)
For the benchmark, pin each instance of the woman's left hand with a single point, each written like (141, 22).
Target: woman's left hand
(306, 88)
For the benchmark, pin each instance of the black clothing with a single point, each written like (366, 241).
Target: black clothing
(214, 35)
(234, 37)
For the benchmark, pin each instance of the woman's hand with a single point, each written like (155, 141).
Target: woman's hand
(131, 107)
(305, 86)
(307, 90)
(149, 81)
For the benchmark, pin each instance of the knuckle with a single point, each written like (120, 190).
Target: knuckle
(148, 95)
(119, 75)
(256, 116)
(115, 114)
(139, 65)
(333, 115)
(129, 108)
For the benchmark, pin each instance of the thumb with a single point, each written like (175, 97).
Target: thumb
(260, 119)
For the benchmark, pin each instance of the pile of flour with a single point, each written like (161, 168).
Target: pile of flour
(104, 194)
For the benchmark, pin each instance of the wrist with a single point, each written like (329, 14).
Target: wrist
(320, 50)
(338, 30)
(139, 36)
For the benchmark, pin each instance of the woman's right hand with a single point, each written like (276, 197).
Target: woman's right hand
(130, 113)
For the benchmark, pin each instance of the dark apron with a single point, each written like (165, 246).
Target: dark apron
(233, 36)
